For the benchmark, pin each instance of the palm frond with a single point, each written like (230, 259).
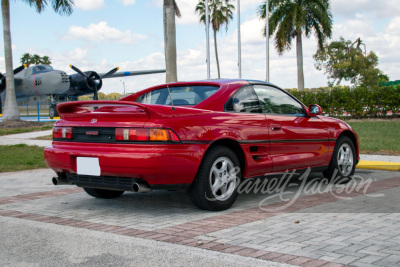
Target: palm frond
(63, 7)
(176, 9)
(39, 5)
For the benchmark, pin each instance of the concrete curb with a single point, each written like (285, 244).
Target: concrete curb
(378, 165)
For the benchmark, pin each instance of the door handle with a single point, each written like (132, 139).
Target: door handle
(275, 127)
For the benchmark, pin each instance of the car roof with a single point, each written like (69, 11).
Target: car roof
(228, 86)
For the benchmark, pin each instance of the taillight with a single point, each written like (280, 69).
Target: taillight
(130, 134)
(154, 135)
(62, 132)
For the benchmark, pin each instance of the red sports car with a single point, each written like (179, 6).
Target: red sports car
(203, 136)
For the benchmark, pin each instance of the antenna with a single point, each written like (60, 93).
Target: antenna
(172, 102)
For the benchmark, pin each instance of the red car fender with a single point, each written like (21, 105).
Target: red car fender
(339, 128)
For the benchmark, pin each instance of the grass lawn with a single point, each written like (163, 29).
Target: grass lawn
(46, 137)
(23, 127)
(21, 157)
(378, 136)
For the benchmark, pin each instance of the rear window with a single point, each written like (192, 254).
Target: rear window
(181, 96)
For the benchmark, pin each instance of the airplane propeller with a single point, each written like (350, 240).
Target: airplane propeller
(3, 82)
(3, 77)
(20, 68)
(96, 79)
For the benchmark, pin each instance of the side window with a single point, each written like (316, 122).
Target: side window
(244, 101)
(150, 98)
(276, 101)
(181, 96)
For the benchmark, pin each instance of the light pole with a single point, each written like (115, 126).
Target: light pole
(267, 35)
(124, 86)
(207, 41)
(239, 43)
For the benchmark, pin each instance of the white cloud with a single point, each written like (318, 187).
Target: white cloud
(378, 9)
(14, 47)
(135, 83)
(2, 65)
(157, 3)
(101, 32)
(127, 2)
(250, 5)
(187, 8)
(89, 4)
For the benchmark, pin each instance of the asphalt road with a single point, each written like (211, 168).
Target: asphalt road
(29, 243)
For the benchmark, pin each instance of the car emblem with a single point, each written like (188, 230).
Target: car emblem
(92, 133)
(93, 121)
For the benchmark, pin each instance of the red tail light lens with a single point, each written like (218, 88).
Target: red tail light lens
(62, 132)
(131, 134)
(143, 135)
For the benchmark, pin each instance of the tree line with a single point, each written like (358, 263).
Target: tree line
(35, 59)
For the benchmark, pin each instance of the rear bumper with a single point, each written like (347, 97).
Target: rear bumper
(157, 164)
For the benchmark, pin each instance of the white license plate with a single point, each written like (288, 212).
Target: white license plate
(88, 166)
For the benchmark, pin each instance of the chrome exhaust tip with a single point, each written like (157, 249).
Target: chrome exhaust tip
(61, 180)
(141, 188)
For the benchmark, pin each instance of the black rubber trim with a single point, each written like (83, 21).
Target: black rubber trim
(196, 142)
(301, 140)
(254, 141)
(102, 182)
(117, 183)
(284, 141)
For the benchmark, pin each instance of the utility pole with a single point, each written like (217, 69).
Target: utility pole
(239, 42)
(207, 41)
(267, 35)
(124, 86)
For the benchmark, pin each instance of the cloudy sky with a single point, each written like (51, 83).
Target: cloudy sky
(102, 34)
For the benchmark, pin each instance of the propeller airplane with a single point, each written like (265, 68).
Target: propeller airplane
(43, 80)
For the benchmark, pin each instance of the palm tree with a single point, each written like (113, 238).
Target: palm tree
(220, 12)
(170, 10)
(45, 60)
(29, 59)
(26, 59)
(36, 59)
(291, 19)
(61, 7)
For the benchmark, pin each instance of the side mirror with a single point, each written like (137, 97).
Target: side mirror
(314, 110)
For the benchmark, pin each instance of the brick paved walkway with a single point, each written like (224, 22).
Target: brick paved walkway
(316, 230)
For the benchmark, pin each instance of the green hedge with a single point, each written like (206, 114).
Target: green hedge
(359, 102)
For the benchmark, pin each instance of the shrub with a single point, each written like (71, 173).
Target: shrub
(359, 102)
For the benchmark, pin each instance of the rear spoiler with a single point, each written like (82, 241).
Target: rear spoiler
(107, 108)
(100, 109)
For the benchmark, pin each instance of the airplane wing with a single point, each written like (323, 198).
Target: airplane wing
(131, 73)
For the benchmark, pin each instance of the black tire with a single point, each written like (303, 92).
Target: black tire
(103, 193)
(218, 162)
(343, 162)
(52, 112)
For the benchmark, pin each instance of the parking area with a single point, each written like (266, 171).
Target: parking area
(299, 221)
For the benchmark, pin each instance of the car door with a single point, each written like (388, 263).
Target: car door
(296, 140)
(247, 115)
